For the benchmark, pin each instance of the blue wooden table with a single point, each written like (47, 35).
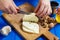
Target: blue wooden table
(14, 35)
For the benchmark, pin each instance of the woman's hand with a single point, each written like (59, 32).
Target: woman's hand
(43, 8)
(8, 6)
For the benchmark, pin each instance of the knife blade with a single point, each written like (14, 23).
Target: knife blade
(22, 12)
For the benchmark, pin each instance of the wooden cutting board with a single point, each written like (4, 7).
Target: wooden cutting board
(16, 22)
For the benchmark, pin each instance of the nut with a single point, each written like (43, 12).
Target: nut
(51, 25)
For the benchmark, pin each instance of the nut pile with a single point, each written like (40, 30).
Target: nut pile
(47, 21)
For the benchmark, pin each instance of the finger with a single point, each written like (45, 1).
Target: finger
(13, 9)
(4, 10)
(40, 10)
(44, 12)
(37, 8)
(18, 9)
(9, 11)
(49, 11)
(15, 5)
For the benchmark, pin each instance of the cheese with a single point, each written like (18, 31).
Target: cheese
(30, 27)
(27, 30)
(29, 23)
(30, 18)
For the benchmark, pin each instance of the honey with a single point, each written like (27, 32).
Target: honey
(58, 18)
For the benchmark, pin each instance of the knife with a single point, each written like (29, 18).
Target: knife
(22, 12)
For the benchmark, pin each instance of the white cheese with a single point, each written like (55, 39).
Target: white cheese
(30, 27)
(30, 18)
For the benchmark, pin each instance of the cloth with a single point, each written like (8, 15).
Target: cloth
(14, 35)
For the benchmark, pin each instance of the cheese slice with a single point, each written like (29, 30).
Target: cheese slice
(27, 30)
(30, 18)
(30, 27)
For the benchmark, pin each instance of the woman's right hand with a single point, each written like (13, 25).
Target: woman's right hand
(8, 6)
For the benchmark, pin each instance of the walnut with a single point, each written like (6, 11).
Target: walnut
(47, 21)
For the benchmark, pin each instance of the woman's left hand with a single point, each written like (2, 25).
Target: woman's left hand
(43, 8)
